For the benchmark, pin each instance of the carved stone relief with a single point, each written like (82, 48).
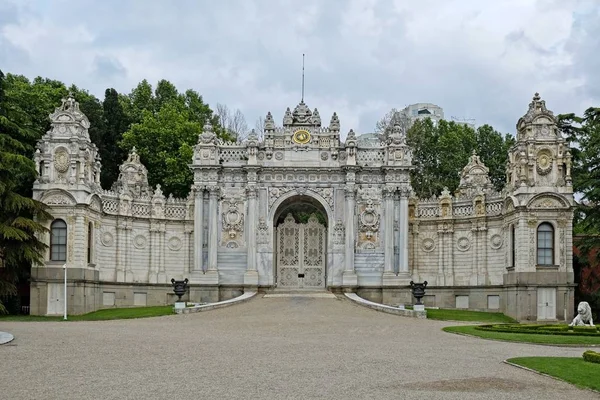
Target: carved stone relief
(428, 241)
(263, 232)
(232, 215)
(463, 241)
(339, 234)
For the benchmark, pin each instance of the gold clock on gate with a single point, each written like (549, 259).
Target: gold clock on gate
(301, 136)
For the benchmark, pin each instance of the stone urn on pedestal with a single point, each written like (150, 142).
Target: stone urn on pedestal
(418, 291)
(179, 288)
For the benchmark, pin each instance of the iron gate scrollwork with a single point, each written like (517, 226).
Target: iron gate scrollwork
(301, 253)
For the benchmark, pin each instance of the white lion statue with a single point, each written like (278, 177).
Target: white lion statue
(584, 315)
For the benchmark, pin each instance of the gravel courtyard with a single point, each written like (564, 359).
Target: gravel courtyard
(275, 348)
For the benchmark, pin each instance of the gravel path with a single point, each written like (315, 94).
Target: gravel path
(272, 348)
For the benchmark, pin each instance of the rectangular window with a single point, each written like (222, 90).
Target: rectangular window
(512, 246)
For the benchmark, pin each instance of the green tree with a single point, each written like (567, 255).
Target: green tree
(164, 130)
(493, 148)
(165, 143)
(19, 246)
(34, 101)
(584, 135)
(116, 123)
(440, 151)
(139, 100)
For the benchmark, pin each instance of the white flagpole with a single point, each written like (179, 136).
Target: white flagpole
(65, 310)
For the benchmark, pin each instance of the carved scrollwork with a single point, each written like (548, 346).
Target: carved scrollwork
(233, 220)
(339, 234)
(369, 220)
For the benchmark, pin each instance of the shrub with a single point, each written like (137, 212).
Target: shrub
(592, 356)
(540, 329)
(584, 328)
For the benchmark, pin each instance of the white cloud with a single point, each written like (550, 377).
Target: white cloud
(481, 60)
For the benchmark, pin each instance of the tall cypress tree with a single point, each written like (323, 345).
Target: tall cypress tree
(115, 123)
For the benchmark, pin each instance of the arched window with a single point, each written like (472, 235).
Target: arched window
(545, 244)
(58, 241)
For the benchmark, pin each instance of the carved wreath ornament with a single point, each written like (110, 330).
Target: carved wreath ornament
(544, 163)
(369, 220)
(61, 161)
(233, 221)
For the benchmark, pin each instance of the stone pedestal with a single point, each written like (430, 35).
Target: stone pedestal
(179, 305)
(251, 278)
(419, 307)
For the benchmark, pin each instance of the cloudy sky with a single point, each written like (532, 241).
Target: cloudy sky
(477, 59)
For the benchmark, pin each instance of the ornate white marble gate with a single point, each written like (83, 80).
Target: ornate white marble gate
(301, 254)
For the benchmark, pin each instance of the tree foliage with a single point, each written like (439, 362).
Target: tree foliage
(440, 151)
(166, 132)
(584, 135)
(19, 245)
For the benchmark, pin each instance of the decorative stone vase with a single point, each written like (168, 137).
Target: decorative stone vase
(179, 287)
(418, 290)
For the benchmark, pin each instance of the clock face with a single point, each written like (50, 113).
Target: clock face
(301, 136)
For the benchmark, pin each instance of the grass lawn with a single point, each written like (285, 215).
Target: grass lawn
(464, 315)
(524, 337)
(101, 315)
(573, 370)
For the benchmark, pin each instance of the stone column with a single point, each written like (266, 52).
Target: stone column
(403, 230)
(210, 276)
(349, 277)
(251, 274)
(198, 229)
(388, 239)
(213, 234)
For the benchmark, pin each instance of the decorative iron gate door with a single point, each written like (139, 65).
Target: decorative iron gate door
(301, 254)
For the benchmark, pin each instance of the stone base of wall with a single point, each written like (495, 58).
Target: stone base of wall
(86, 293)
(516, 301)
(517, 297)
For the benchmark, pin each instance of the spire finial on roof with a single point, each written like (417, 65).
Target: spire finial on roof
(302, 100)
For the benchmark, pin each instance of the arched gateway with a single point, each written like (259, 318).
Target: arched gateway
(301, 208)
(300, 229)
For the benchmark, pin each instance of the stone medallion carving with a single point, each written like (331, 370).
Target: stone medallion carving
(107, 239)
(496, 241)
(139, 242)
(324, 156)
(61, 161)
(174, 243)
(428, 242)
(544, 162)
(463, 242)
(279, 155)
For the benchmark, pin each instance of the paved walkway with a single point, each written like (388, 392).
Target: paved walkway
(268, 348)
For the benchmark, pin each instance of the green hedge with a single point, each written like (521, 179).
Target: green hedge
(592, 356)
(538, 329)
